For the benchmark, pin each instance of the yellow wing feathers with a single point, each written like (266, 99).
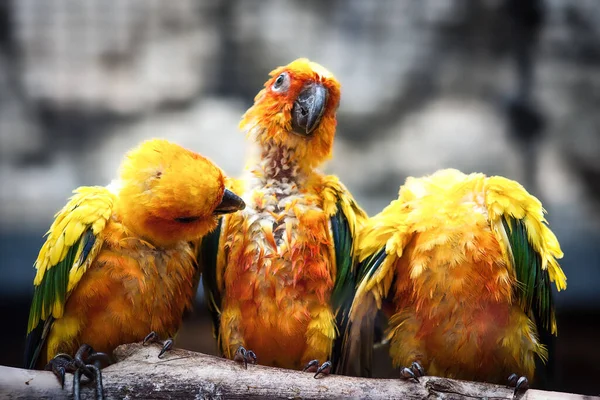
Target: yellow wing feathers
(88, 209)
(421, 205)
(336, 195)
(505, 197)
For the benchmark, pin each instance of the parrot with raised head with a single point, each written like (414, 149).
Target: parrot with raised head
(279, 276)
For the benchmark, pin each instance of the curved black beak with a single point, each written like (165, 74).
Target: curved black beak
(308, 109)
(230, 202)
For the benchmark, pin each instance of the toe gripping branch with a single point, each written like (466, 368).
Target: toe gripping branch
(520, 383)
(152, 337)
(244, 356)
(313, 366)
(86, 362)
(414, 372)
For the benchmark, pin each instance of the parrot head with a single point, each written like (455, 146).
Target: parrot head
(169, 194)
(296, 109)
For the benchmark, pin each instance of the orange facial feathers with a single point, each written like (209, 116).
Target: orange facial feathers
(269, 120)
(281, 266)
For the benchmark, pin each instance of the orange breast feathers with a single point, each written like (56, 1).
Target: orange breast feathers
(278, 281)
(464, 264)
(130, 290)
(277, 265)
(117, 262)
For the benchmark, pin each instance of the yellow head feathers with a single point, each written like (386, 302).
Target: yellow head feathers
(168, 193)
(297, 110)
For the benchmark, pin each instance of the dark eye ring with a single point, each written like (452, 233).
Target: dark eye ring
(279, 81)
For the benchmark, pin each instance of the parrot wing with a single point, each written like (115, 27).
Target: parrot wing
(345, 219)
(381, 243)
(212, 260)
(71, 246)
(207, 258)
(532, 249)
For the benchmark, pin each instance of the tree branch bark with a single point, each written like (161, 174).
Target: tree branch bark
(140, 374)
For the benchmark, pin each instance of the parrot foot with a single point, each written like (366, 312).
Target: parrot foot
(313, 366)
(86, 362)
(97, 379)
(414, 372)
(520, 383)
(244, 356)
(152, 337)
(60, 365)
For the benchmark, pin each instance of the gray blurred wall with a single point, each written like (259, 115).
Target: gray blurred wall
(425, 85)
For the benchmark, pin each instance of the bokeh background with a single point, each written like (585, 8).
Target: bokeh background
(508, 87)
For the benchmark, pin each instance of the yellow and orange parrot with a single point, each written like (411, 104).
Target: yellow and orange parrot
(462, 265)
(117, 262)
(279, 276)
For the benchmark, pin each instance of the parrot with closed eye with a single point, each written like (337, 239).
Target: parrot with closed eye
(119, 261)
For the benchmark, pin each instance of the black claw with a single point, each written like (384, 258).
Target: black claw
(245, 356)
(417, 369)
(324, 369)
(240, 356)
(522, 385)
(80, 360)
(60, 365)
(82, 363)
(251, 357)
(99, 388)
(312, 366)
(84, 351)
(407, 373)
(60, 374)
(150, 338)
(168, 345)
(76, 385)
(97, 379)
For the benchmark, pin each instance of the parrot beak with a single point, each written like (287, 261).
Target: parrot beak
(308, 109)
(229, 203)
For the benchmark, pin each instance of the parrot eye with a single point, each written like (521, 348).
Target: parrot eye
(281, 83)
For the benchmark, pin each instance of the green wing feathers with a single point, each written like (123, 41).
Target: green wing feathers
(534, 289)
(345, 219)
(359, 332)
(345, 281)
(50, 295)
(532, 249)
(344, 260)
(207, 258)
(72, 244)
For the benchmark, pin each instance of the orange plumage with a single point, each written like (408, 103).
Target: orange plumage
(118, 262)
(278, 267)
(464, 264)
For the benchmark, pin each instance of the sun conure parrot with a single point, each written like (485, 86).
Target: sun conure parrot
(462, 265)
(279, 276)
(117, 262)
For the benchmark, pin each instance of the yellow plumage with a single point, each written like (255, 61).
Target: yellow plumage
(445, 261)
(117, 262)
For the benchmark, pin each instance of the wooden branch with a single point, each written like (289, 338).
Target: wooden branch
(140, 374)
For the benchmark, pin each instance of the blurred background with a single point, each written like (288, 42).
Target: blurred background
(509, 87)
